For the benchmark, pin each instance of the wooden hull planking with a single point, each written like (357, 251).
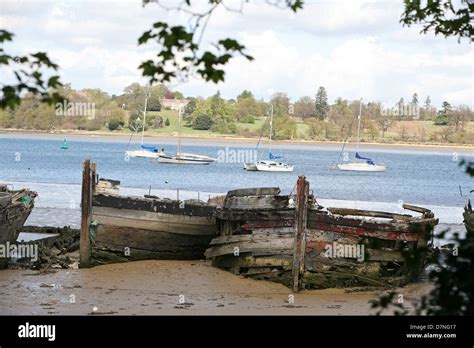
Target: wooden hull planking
(135, 228)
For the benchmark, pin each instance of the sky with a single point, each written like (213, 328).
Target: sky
(355, 49)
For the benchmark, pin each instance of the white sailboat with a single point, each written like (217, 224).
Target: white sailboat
(182, 157)
(269, 165)
(145, 151)
(367, 165)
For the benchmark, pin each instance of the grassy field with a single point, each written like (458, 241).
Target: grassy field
(172, 116)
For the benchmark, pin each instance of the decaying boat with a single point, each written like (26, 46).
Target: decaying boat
(135, 228)
(15, 207)
(294, 241)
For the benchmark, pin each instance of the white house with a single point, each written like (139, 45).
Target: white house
(174, 104)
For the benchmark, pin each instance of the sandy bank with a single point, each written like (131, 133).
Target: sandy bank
(156, 287)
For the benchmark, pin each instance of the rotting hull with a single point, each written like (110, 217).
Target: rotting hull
(136, 228)
(14, 215)
(257, 233)
(15, 209)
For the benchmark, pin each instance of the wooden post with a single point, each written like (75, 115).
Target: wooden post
(93, 176)
(301, 213)
(86, 207)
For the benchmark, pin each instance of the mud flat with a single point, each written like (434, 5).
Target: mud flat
(154, 288)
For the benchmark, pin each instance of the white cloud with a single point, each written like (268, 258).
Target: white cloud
(354, 48)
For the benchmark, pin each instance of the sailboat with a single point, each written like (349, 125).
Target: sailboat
(269, 165)
(146, 151)
(367, 164)
(181, 157)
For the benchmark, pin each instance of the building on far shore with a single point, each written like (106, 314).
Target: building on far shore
(174, 104)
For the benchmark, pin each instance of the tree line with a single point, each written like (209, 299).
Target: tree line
(315, 117)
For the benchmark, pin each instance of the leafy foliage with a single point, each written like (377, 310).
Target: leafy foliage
(179, 50)
(28, 75)
(203, 122)
(115, 124)
(442, 16)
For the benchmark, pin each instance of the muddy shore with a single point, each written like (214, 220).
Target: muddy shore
(171, 288)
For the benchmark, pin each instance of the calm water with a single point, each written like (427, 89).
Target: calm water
(424, 178)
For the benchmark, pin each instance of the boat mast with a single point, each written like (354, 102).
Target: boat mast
(178, 148)
(358, 126)
(144, 114)
(271, 127)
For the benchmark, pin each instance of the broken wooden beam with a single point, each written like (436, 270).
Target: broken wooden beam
(86, 210)
(301, 213)
(259, 191)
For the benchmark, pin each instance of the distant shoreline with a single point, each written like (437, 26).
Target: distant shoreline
(222, 139)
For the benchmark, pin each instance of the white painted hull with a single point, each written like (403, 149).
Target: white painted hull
(143, 154)
(184, 158)
(270, 166)
(361, 167)
(251, 167)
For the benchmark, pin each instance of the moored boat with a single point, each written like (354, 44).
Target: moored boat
(272, 166)
(185, 158)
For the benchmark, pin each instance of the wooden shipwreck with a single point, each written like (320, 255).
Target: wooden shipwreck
(292, 240)
(15, 207)
(257, 233)
(117, 228)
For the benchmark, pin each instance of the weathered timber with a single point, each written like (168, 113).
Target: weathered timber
(256, 215)
(237, 248)
(15, 209)
(301, 211)
(150, 240)
(86, 208)
(371, 213)
(149, 226)
(256, 202)
(251, 225)
(314, 218)
(231, 261)
(275, 231)
(426, 212)
(250, 238)
(259, 191)
(180, 224)
(167, 206)
(14, 214)
(372, 243)
(106, 253)
(359, 231)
